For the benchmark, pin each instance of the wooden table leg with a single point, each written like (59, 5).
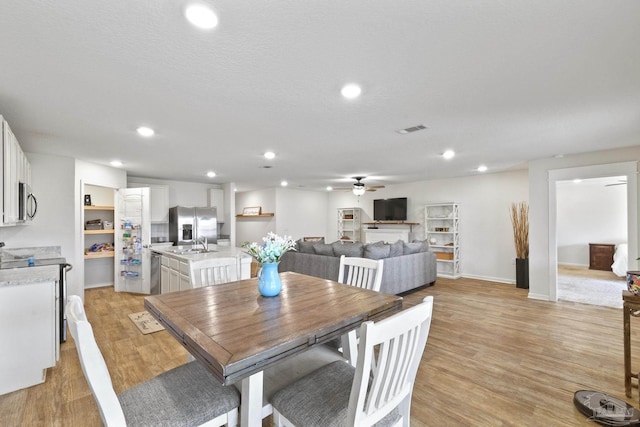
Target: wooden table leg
(627, 349)
(251, 401)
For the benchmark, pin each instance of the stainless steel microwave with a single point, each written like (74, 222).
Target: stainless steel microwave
(27, 203)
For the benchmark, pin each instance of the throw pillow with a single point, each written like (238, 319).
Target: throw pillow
(350, 249)
(411, 248)
(379, 250)
(323, 249)
(305, 247)
(425, 244)
(396, 249)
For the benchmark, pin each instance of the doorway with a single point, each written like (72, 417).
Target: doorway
(626, 171)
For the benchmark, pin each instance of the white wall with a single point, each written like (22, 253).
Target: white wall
(588, 212)
(301, 213)
(297, 213)
(486, 238)
(543, 175)
(254, 229)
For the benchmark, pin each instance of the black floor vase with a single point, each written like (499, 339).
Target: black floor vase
(522, 273)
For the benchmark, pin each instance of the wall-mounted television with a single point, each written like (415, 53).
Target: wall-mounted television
(390, 209)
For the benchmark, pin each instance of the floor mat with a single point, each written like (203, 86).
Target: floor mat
(145, 322)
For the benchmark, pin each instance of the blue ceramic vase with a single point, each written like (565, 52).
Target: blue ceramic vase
(269, 283)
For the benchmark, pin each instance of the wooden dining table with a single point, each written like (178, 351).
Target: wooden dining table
(237, 333)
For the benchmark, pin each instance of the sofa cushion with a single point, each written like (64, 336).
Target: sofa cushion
(350, 249)
(323, 249)
(378, 250)
(396, 249)
(412, 248)
(425, 244)
(306, 247)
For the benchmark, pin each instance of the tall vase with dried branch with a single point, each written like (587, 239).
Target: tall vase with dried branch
(520, 224)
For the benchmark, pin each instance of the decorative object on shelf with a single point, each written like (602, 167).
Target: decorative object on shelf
(268, 254)
(633, 282)
(252, 211)
(87, 199)
(520, 224)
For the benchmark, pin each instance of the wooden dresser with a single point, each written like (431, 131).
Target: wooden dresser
(601, 256)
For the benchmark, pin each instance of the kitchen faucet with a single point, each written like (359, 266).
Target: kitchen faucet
(203, 240)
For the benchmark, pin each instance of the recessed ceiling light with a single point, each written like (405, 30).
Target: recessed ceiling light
(284, 183)
(201, 16)
(329, 188)
(211, 174)
(116, 163)
(449, 154)
(482, 168)
(351, 91)
(269, 155)
(145, 131)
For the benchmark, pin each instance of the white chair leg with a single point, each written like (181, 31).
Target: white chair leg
(405, 408)
(350, 347)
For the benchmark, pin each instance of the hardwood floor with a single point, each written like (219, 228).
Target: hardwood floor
(493, 358)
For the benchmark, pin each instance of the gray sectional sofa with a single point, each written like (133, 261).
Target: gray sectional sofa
(406, 265)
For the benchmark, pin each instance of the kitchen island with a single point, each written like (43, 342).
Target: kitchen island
(174, 264)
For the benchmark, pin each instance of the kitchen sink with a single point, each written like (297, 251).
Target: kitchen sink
(189, 251)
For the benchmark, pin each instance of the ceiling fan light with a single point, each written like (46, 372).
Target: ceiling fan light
(358, 189)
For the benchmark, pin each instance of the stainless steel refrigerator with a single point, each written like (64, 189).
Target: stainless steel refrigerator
(188, 224)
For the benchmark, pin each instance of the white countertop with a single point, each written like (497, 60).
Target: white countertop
(215, 251)
(21, 276)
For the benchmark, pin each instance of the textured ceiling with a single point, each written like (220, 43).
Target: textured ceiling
(499, 82)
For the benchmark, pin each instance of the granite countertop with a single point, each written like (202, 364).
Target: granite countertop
(23, 276)
(215, 251)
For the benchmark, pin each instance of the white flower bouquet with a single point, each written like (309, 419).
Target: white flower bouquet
(271, 249)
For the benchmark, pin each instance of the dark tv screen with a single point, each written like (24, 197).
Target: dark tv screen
(390, 209)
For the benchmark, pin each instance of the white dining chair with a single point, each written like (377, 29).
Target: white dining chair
(184, 396)
(377, 390)
(213, 271)
(363, 273)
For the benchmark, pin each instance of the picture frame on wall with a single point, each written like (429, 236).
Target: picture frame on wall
(252, 211)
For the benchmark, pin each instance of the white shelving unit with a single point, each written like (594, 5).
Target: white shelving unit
(442, 230)
(349, 224)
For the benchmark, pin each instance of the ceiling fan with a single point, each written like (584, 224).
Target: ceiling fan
(620, 182)
(359, 188)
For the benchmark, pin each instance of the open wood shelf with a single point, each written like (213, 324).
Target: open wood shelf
(98, 208)
(98, 231)
(96, 255)
(254, 216)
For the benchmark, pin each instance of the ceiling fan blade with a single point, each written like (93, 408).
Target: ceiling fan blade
(619, 183)
(375, 186)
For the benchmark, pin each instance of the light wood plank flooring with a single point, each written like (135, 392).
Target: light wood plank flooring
(494, 358)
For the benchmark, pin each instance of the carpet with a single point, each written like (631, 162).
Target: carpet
(145, 322)
(592, 291)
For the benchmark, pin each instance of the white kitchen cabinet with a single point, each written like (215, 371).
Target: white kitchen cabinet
(28, 331)
(158, 200)
(216, 200)
(15, 169)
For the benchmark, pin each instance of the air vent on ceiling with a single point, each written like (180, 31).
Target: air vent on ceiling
(411, 129)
